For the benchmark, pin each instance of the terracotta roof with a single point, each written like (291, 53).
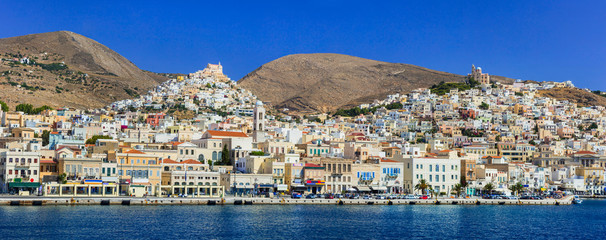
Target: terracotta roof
(47, 161)
(177, 143)
(226, 133)
(584, 152)
(168, 160)
(191, 161)
(134, 151)
(311, 165)
(388, 160)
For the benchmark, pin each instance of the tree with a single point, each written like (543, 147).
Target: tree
(464, 182)
(61, 178)
(422, 186)
(26, 108)
(484, 106)
(94, 138)
(45, 137)
(517, 188)
(498, 138)
(593, 125)
(458, 188)
(257, 153)
(225, 156)
(4, 106)
(489, 187)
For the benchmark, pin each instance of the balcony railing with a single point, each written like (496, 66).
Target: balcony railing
(22, 165)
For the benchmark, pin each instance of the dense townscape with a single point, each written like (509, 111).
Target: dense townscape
(203, 135)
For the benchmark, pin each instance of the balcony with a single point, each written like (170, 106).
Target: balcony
(22, 166)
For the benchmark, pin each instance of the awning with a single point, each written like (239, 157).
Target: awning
(266, 186)
(376, 188)
(363, 188)
(282, 187)
(245, 186)
(24, 184)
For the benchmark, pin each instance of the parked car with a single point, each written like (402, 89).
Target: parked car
(410, 197)
(329, 196)
(296, 195)
(311, 196)
(354, 197)
(423, 197)
(338, 195)
(379, 197)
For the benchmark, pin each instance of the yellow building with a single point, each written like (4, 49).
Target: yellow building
(138, 168)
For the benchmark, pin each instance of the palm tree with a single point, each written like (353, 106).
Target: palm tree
(519, 188)
(489, 187)
(422, 186)
(458, 188)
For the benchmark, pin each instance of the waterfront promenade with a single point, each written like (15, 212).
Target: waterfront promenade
(39, 201)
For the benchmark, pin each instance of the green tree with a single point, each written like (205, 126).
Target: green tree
(516, 188)
(26, 108)
(484, 106)
(4, 106)
(422, 186)
(489, 188)
(593, 125)
(257, 153)
(94, 138)
(458, 188)
(225, 156)
(464, 182)
(45, 137)
(62, 178)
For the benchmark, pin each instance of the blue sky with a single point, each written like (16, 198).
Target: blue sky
(538, 40)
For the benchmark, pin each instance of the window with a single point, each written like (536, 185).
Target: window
(443, 178)
(35, 160)
(437, 178)
(430, 178)
(430, 167)
(443, 168)
(35, 172)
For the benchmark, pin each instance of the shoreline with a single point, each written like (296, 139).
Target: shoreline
(154, 201)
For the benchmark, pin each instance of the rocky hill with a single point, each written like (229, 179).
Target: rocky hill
(67, 69)
(579, 96)
(325, 82)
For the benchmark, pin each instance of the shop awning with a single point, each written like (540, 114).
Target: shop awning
(377, 188)
(282, 187)
(266, 186)
(245, 186)
(24, 184)
(363, 188)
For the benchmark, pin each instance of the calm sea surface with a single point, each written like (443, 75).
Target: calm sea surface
(585, 221)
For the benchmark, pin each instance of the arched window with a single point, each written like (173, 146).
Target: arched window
(215, 156)
(201, 158)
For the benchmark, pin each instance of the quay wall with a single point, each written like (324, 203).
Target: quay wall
(16, 201)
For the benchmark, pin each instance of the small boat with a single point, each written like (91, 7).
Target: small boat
(577, 200)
